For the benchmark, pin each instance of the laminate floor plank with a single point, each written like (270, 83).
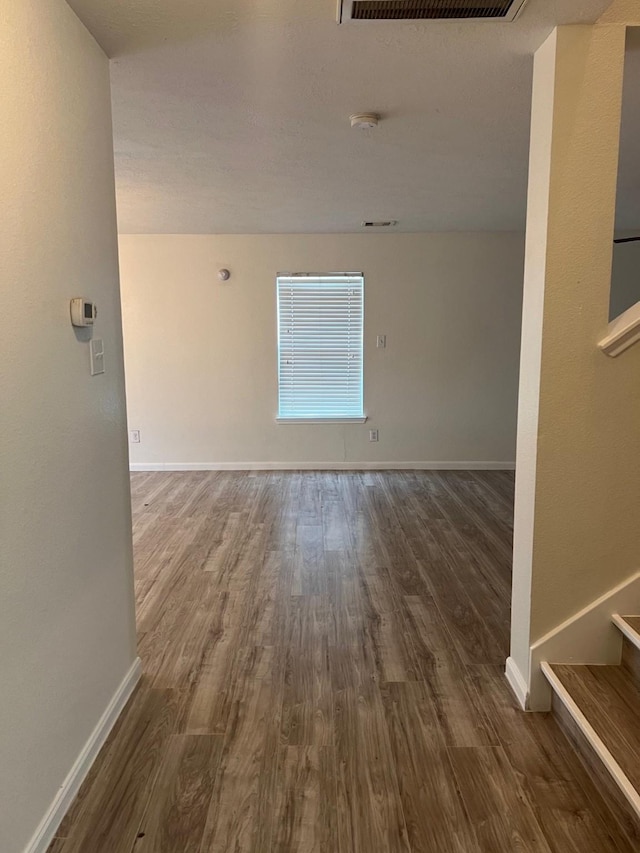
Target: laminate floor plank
(383, 622)
(307, 710)
(310, 576)
(370, 813)
(434, 811)
(223, 666)
(304, 811)
(177, 813)
(608, 792)
(120, 734)
(336, 534)
(322, 657)
(469, 513)
(451, 695)
(610, 701)
(243, 794)
(109, 815)
(477, 629)
(498, 812)
(547, 773)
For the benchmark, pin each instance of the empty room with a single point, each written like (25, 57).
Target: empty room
(319, 433)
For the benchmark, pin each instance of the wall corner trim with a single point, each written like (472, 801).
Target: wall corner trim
(69, 788)
(517, 683)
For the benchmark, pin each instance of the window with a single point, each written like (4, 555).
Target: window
(320, 320)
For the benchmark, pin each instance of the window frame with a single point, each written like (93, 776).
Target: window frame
(318, 419)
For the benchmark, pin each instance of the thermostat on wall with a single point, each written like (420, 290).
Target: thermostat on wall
(83, 313)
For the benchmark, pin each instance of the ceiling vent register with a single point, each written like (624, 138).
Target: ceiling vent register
(432, 10)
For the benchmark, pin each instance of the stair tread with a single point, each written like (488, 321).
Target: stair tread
(634, 622)
(610, 700)
(630, 627)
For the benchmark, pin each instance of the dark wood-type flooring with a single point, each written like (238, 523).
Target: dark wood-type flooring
(323, 671)
(609, 697)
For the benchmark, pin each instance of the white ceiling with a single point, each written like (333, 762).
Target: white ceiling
(231, 116)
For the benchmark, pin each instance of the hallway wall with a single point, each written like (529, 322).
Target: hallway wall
(66, 594)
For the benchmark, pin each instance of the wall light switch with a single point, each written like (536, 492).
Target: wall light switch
(381, 341)
(134, 435)
(373, 435)
(96, 348)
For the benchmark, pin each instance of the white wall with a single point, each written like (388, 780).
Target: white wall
(66, 604)
(201, 355)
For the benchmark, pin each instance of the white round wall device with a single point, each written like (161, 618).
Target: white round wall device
(224, 275)
(364, 121)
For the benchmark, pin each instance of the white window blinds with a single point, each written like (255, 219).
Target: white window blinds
(320, 319)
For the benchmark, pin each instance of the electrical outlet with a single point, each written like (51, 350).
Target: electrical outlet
(381, 341)
(134, 435)
(373, 435)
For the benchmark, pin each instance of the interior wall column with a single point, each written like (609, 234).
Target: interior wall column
(578, 466)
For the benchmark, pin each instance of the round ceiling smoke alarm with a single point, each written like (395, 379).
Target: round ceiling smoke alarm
(364, 121)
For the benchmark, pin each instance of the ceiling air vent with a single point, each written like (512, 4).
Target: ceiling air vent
(382, 223)
(432, 10)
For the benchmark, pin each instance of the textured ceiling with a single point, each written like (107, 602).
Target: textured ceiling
(231, 116)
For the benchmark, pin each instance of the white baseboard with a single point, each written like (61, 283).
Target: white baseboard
(45, 833)
(322, 466)
(588, 637)
(517, 683)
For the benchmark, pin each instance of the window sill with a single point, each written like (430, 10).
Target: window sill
(622, 332)
(321, 420)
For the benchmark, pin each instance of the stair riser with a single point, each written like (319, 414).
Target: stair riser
(614, 798)
(631, 659)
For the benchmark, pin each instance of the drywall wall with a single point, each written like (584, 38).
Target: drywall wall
(625, 12)
(577, 502)
(201, 364)
(625, 278)
(66, 605)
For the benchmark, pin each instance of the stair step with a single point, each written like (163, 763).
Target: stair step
(630, 627)
(604, 704)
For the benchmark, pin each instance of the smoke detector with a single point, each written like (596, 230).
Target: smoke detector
(364, 121)
(434, 10)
